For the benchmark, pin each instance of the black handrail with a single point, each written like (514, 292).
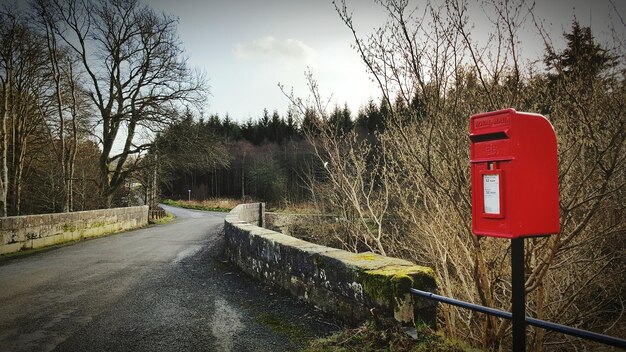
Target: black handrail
(568, 330)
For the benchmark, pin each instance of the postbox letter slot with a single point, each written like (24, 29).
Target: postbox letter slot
(488, 137)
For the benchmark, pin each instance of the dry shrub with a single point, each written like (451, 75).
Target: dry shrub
(406, 192)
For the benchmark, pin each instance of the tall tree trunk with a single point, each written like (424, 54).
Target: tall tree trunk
(74, 142)
(54, 191)
(106, 198)
(153, 196)
(12, 169)
(84, 185)
(18, 181)
(4, 142)
(61, 152)
(22, 129)
(17, 166)
(59, 101)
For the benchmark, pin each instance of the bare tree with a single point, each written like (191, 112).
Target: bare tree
(137, 76)
(24, 81)
(8, 37)
(66, 95)
(67, 98)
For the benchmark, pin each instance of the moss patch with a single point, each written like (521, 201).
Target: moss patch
(391, 270)
(366, 256)
(68, 228)
(96, 224)
(282, 326)
(393, 281)
(319, 262)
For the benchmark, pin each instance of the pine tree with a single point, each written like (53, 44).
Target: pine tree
(583, 58)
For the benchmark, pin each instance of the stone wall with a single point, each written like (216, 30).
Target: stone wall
(35, 231)
(356, 287)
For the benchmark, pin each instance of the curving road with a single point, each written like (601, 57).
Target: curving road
(161, 288)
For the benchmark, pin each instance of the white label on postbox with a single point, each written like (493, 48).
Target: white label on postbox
(491, 187)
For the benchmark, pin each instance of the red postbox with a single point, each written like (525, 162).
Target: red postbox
(513, 158)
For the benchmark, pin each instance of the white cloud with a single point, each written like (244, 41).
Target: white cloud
(285, 51)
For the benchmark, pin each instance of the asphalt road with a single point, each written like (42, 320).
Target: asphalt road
(161, 288)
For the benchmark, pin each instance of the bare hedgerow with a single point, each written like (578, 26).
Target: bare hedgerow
(405, 191)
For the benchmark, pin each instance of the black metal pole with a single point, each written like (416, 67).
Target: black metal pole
(518, 296)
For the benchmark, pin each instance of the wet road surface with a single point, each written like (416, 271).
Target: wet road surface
(160, 288)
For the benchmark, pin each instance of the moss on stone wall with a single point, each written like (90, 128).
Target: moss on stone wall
(319, 262)
(389, 287)
(366, 256)
(392, 281)
(68, 228)
(97, 224)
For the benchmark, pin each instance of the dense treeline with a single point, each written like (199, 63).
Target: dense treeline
(267, 158)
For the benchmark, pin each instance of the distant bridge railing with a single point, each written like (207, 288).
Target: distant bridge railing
(156, 213)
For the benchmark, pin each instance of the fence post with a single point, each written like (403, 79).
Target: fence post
(261, 214)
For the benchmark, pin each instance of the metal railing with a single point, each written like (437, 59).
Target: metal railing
(568, 330)
(156, 213)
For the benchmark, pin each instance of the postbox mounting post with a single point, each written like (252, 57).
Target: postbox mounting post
(518, 296)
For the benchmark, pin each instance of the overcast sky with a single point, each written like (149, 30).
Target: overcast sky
(247, 47)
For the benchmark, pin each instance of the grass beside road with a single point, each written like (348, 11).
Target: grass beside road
(168, 218)
(227, 204)
(215, 204)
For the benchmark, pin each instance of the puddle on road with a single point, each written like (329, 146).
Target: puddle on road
(225, 325)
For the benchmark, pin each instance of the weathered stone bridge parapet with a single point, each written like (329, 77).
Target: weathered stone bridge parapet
(35, 231)
(355, 286)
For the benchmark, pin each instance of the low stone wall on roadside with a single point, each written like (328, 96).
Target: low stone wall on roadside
(35, 231)
(355, 286)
